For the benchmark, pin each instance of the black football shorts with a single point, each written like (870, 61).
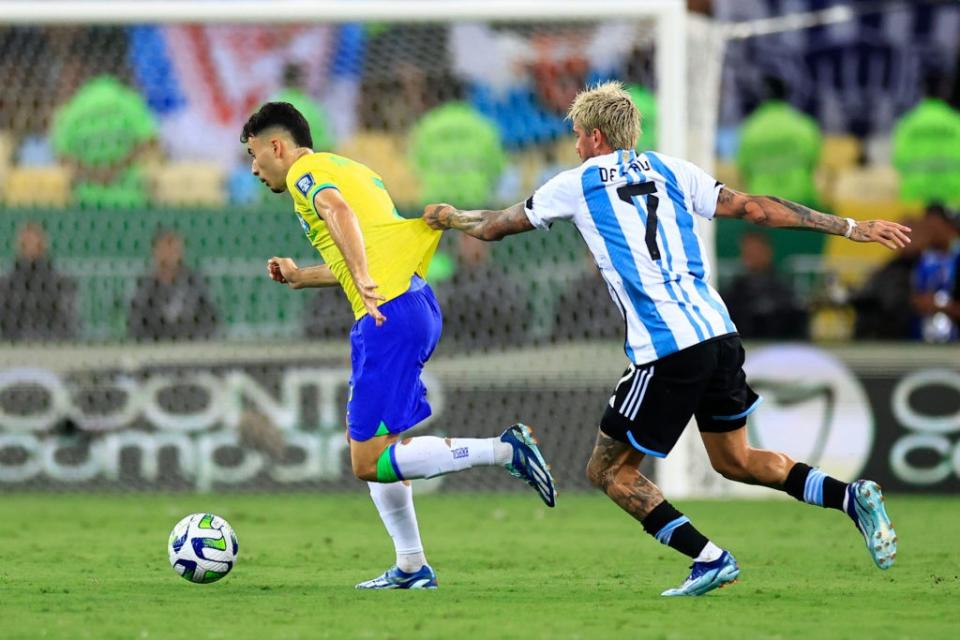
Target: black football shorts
(653, 402)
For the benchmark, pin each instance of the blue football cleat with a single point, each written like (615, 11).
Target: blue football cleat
(528, 463)
(865, 508)
(393, 578)
(707, 576)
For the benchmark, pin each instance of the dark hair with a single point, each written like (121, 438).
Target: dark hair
(933, 84)
(937, 209)
(774, 88)
(759, 236)
(292, 75)
(279, 114)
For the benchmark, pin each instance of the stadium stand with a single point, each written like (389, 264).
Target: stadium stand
(387, 153)
(37, 187)
(188, 184)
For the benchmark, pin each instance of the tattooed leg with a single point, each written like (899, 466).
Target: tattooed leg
(614, 468)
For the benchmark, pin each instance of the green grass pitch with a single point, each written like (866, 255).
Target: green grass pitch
(81, 566)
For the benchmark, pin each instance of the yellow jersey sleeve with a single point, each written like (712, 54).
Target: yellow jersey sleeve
(396, 248)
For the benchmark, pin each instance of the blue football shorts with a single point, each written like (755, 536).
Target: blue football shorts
(387, 395)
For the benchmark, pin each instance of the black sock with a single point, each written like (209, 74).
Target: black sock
(813, 486)
(673, 529)
(796, 480)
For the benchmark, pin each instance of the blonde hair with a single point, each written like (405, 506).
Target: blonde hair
(609, 108)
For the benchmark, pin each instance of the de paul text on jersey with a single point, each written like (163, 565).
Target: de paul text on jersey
(609, 174)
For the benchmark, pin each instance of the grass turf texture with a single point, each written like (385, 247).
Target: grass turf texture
(80, 566)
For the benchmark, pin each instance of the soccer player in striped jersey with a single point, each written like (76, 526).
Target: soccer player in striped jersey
(379, 259)
(636, 214)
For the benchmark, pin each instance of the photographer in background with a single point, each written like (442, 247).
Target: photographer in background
(171, 302)
(934, 296)
(762, 303)
(36, 301)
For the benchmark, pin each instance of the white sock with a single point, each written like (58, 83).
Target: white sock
(502, 452)
(394, 502)
(709, 553)
(429, 456)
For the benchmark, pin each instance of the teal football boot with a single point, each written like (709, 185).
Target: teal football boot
(707, 576)
(528, 463)
(393, 578)
(865, 507)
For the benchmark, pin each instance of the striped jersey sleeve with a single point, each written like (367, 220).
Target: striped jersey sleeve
(558, 199)
(701, 187)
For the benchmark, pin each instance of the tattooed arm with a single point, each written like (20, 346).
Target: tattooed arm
(770, 211)
(485, 225)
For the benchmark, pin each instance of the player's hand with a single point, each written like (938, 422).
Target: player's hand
(282, 270)
(437, 216)
(371, 300)
(889, 234)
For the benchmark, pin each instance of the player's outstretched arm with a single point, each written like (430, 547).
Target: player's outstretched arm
(345, 230)
(285, 271)
(482, 224)
(770, 211)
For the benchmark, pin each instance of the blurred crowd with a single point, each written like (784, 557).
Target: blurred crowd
(127, 119)
(915, 295)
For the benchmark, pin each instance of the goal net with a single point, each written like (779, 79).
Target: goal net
(143, 346)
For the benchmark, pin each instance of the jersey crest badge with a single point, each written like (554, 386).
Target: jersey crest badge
(304, 183)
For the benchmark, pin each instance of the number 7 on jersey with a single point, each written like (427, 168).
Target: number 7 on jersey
(627, 193)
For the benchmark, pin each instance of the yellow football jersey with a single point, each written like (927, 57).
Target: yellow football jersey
(396, 248)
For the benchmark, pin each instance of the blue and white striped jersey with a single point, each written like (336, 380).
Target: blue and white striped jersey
(635, 213)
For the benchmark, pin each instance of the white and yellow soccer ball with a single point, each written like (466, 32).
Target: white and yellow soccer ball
(203, 548)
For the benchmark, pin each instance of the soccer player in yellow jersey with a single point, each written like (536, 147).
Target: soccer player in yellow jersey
(380, 260)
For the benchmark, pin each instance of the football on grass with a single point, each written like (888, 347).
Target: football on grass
(203, 548)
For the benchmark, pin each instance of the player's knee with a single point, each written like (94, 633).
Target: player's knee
(364, 470)
(598, 474)
(594, 476)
